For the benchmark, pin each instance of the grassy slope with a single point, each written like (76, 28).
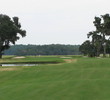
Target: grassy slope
(86, 79)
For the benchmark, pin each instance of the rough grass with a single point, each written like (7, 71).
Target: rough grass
(84, 79)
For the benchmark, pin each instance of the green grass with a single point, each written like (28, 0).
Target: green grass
(85, 79)
(31, 59)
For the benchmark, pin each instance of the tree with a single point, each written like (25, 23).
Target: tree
(102, 31)
(9, 30)
(108, 47)
(104, 28)
(87, 48)
(96, 41)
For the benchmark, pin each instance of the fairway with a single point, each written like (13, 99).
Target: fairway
(74, 78)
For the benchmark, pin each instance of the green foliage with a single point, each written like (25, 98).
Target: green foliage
(88, 49)
(53, 49)
(9, 30)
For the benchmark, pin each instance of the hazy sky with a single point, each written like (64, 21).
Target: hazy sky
(55, 21)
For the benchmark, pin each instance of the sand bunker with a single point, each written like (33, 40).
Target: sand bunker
(70, 60)
(19, 57)
(65, 57)
(8, 69)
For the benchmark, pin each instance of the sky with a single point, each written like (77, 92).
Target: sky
(55, 21)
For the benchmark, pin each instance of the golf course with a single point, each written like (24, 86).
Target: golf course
(55, 50)
(55, 78)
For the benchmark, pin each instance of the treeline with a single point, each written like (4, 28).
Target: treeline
(52, 49)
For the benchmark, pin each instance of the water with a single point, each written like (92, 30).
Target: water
(18, 64)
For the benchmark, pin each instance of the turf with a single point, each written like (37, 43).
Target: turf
(84, 79)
